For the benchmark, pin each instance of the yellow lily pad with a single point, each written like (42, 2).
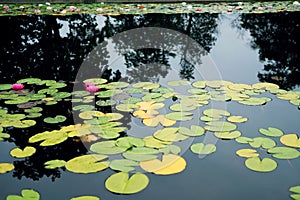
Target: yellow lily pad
(170, 164)
(6, 167)
(247, 153)
(19, 153)
(291, 140)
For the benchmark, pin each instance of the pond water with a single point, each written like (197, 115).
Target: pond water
(241, 48)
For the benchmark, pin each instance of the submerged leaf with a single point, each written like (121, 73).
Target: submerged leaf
(120, 183)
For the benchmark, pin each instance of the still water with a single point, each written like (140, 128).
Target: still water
(242, 48)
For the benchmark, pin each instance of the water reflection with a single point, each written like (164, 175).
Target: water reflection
(276, 36)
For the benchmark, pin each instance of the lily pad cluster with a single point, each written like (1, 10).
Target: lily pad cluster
(131, 8)
(163, 110)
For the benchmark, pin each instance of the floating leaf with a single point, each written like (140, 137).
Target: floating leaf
(5, 86)
(274, 132)
(239, 87)
(182, 107)
(152, 142)
(18, 100)
(56, 119)
(179, 116)
(61, 95)
(114, 85)
(284, 152)
(220, 126)
(84, 107)
(193, 131)
(228, 135)
(295, 189)
(120, 183)
(126, 107)
(159, 119)
(90, 114)
(216, 113)
(287, 96)
(243, 140)
(131, 100)
(247, 153)
(169, 135)
(199, 84)
(87, 163)
(264, 165)
(49, 138)
(105, 103)
(6, 167)
(170, 164)
(129, 141)
(19, 153)
(30, 81)
(53, 164)
(138, 157)
(171, 149)
(255, 101)
(85, 198)
(107, 147)
(123, 165)
(179, 83)
(265, 85)
(3, 135)
(290, 140)
(27, 194)
(96, 81)
(265, 143)
(200, 148)
(237, 119)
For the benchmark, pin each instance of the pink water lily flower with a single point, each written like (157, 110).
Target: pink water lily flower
(88, 84)
(17, 86)
(92, 88)
(6, 7)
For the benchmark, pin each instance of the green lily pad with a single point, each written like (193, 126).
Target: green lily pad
(49, 91)
(6, 167)
(193, 131)
(237, 119)
(228, 135)
(220, 126)
(127, 107)
(265, 85)
(96, 81)
(288, 96)
(216, 113)
(152, 142)
(54, 120)
(18, 100)
(108, 93)
(53, 164)
(107, 147)
(23, 123)
(138, 157)
(90, 114)
(105, 103)
(49, 138)
(273, 132)
(201, 148)
(85, 198)
(61, 95)
(121, 183)
(134, 90)
(284, 152)
(83, 108)
(89, 163)
(295, 189)
(247, 153)
(30, 81)
(27, 194)
(33, 110)
(169, 135)
(129, 141)
(5, 86)
(243, 140)
(205, 118)
(182, 107)
(3, 135)
(263, 142)
(291, 140)
(123, 165)
(19, 153)
(179, 83)
(80, 93)
(131, 100)
(179, 116)
(171, 149)
(264, 165)
(199, 84)
(255, 101)
(57, 85)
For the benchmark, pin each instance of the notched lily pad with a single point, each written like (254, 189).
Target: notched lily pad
(27, 194)
(271, 131)
(201, 148)
(247, 153)
(26, 152)
(258, 165)
(53, 164)
(6, 167)
(291, 140)
(284, 152)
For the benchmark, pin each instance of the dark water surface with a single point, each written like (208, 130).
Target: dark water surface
(242, 48)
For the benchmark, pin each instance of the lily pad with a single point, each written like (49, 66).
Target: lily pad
(6, 167)
(193, 131)
(182, 107)
(243, 140)
(19, 153)
(247, 153)
(228, 135)
(126, 107)
(201, 148)
(258, 165)
(199, 84)
(291, 140)
(123, 165)
(170, 164)
(237, 119)
(169, 135)
(180, 116)
(255, 101)
(271, 131)
(5, 86)
(105, 103)
(49, 138)
(96, 81)
(120, 183)
(179, 83)
(220, 126)
(284, 152)
(129, 141)
(83, 108)
(157, 120)
(53, 164)
(152, 142)
(27, 194)
(89, 163)
(107, 147)
(216, 113)
(56, 119)
(263, 142)
(171, 149)
(296, 190)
